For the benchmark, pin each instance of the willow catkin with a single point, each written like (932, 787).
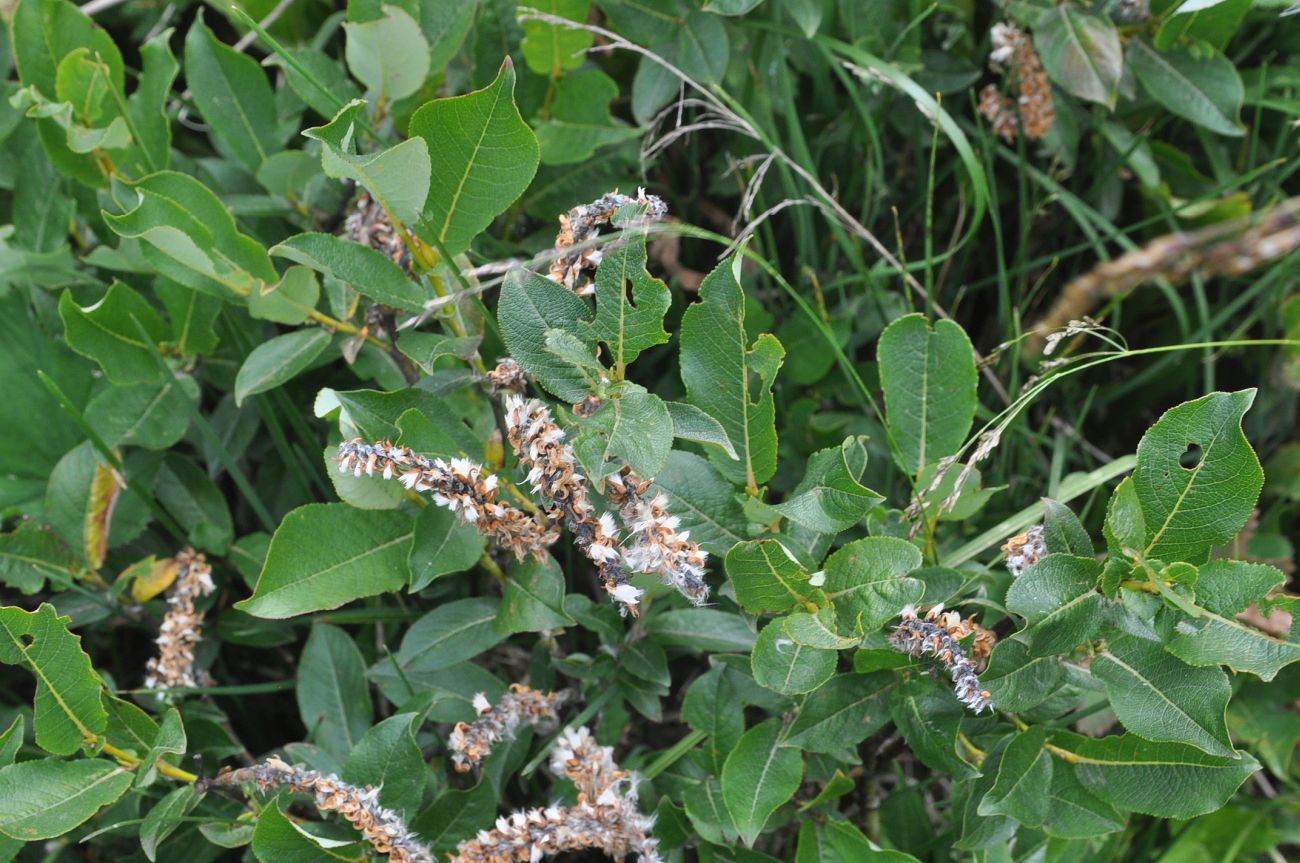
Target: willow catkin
(936, 635)
(1025, 549)
(471, 742)
(369, 225)
(606, 816)
(657, 545)
(383, 828)
(553, 473)
(583, 223)
(1032, 111)
(182, 626)
(460, 485)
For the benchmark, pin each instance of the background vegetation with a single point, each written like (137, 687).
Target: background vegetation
(196, 309)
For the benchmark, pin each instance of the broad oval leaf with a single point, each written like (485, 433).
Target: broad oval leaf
(1159, 698)
(483, 157)
(760, 774)
(332, 693)
(1189, 509)
(46, 798)
(389, 55)
(929, 380)
(729, 378)
(366, 555)
(784, 665)
(1081, 52)
(1056, 596)
(68, 711)
(372, 273)
(766, 576)
(279, 360)
(1206, 90)
(1168, 780)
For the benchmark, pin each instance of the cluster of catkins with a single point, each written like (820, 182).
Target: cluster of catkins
(938, 634)
(459, 485)
(583, 223)
(1025, 549)
(182, 626)
(384, 829)
(605, 817)
(541, 448)
(1013, 52)
(657, 546)
(470, 742)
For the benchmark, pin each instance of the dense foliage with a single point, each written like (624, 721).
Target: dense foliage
(869, 469)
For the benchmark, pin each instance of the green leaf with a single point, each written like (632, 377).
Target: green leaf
(703, 500)
(816, 629)
(1081, 52)
(333, 695)
(929, 718)
(633, 427)
(691, 423)
(457, 815)
(702, 629)
(233, 96)
(1211, 22)
(190, 495)
(45, 32)
(834, 841)
(712, 706)
(785, 666)
(1057, 600)
(767, 577)
(1216, 636)
(276, 839)
(388, 758)
(366, 555)
(630, 304)
(396, 177)
(427, 348)
(708, 812)
(1062, 530)
(830, 499)
(549, 49)
(1190, 509)
(1125, 522)
(68, 711)
(729, 379)
(1074, 812)
(451, 633)
(193, 316)
(534, 598)
(371, 272)
(759, 776)
(484, 156)
(279, 360)
(580, 122)
(30, 554)
(389, 55)
(170, 740)
(364, 492)
(147, 106)
(442, 545)
(1159, 698)
(47, 798)
(866, 580)
(1018, 681)
(1024, 771)
(929, 380)
(106, 332)
(839, 715)
(1206, 90)
(530, 307)
(164, 818)
(1168, 780)
(288, 301)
